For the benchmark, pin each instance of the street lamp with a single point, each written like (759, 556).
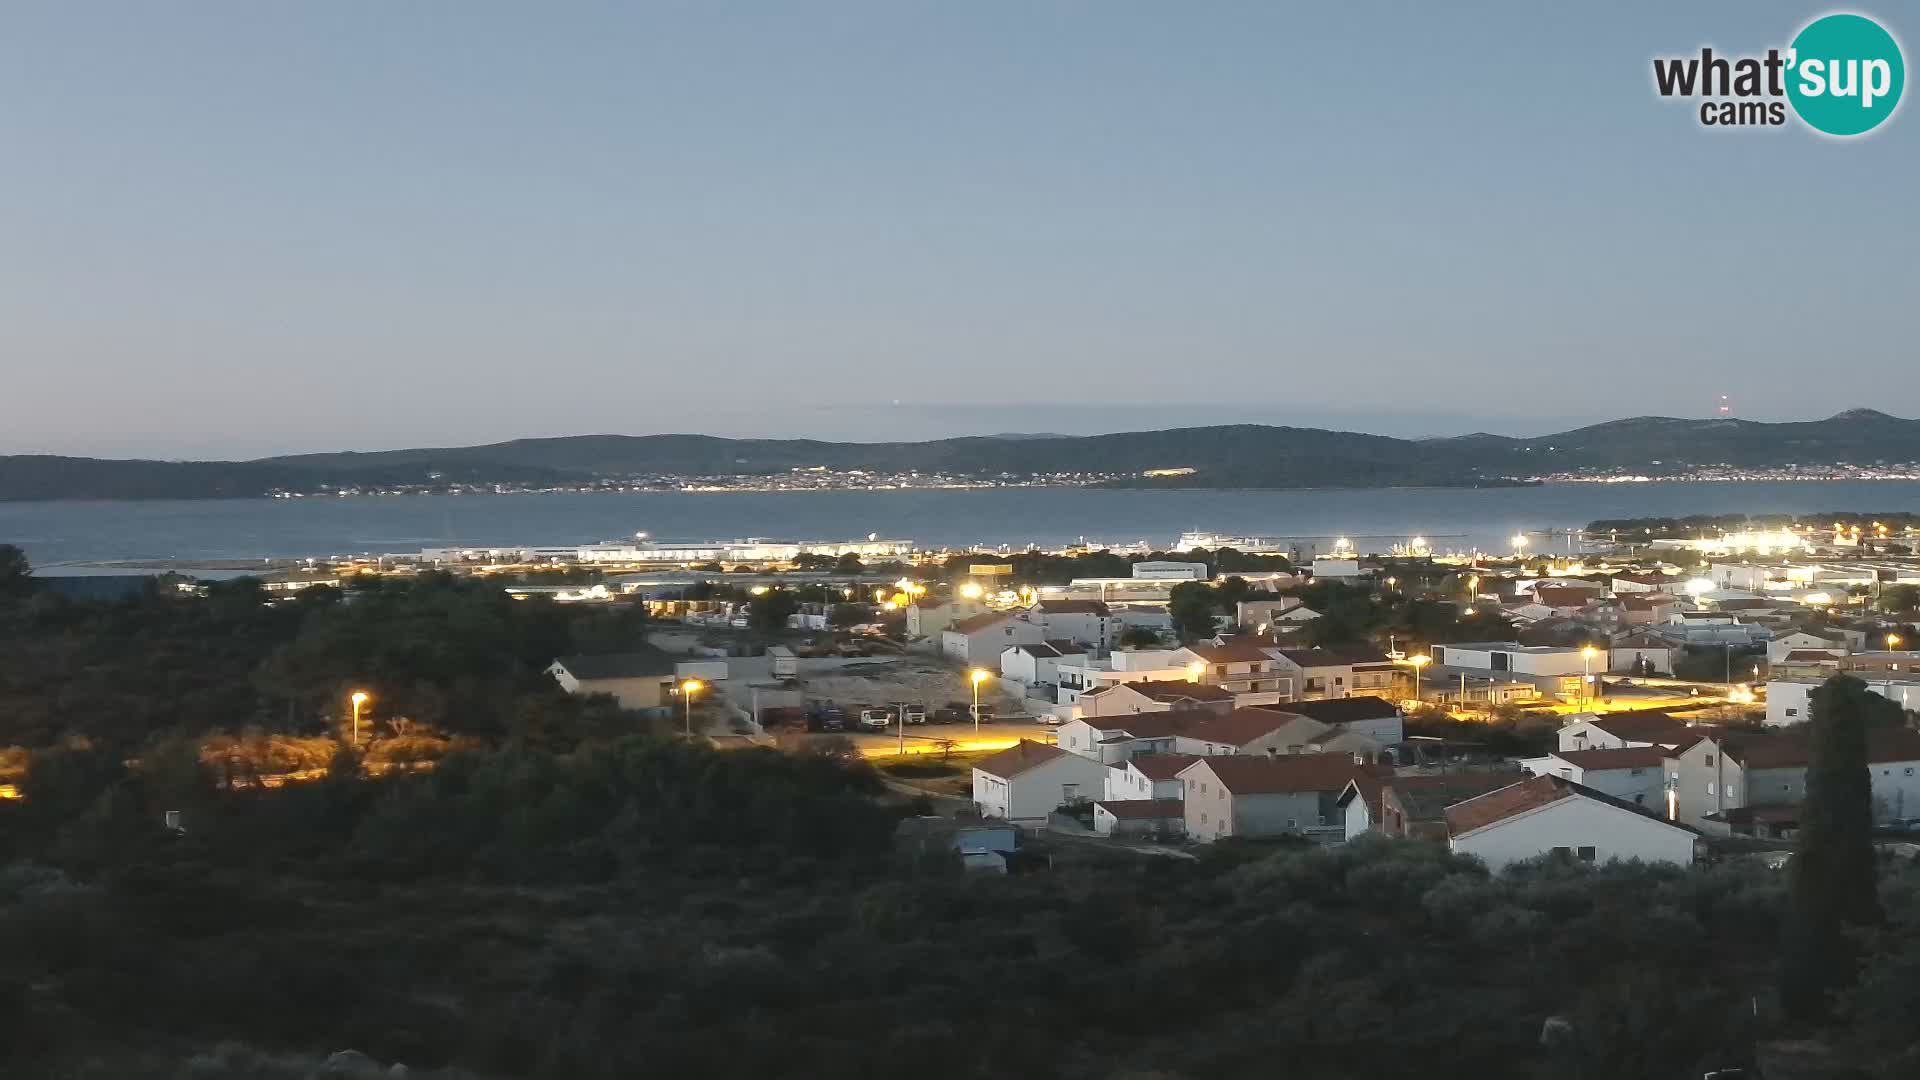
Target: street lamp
(359, 698)
(687, 690)
(1418, 663)
(1893, 641)
(1195, 670)
(976, 677)
(1586, 679)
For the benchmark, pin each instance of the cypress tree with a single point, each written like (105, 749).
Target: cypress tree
(1832, 883)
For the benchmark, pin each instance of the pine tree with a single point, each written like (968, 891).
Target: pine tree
(1832, 886)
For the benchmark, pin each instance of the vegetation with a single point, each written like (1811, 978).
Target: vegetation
(555, 895)
(1833, 873)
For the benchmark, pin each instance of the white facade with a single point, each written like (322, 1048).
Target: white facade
(1033, 793)
(1170, 571)
(1779, 647)
(981, 645)
(1520, 659)
(1032, 665)
(1125, 783)
(1584, 828)
(1788, 701)
(1336, 569)
(1086, 628)
(1625, 659)
(1642, 785)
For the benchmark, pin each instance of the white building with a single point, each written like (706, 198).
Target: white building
(1788, 701)
(1083, 622)
(1147, 776)
(1336, 569)
(637, 680)
(1520, 659)
(1551, 814)
(1632, 774)
(1786, 641)
(1615, 731)
(980, 640)
(1037, 665)
(1030, 780)
(1170, 571)
(926, 620)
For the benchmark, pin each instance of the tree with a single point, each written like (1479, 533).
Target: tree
(1232, 591)
(1192, 605)
(1832, 886)
(1139, 637)
(845, 615)
(768, 612)
(16, 574)
(849, 564)
(1900, 598)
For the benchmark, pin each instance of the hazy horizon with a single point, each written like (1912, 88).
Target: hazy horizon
(237, 231)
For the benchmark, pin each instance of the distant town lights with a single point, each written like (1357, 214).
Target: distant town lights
(1698, 586)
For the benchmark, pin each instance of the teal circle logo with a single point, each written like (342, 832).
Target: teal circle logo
(1845, 74)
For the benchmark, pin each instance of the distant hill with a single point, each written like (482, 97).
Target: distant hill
(1242, 455)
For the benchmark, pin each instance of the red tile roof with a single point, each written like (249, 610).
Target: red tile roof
(1650, 726)
(1148, 725)
(1241, 726)
(1320, 657)
(1143, 809)
(1162, 766)
(979, 622)
(1261, 775)
(1181, 691)
(1346, 710)
(1646, 601)
(1234, 651)
(1564, 596)
(1633, 757)
(1018, 758)
(1811, 656)
(1072, 607)
(1792, 752)
(1515, 799)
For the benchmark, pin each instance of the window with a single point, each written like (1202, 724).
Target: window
(1221, 795)
(1709, 787)
(1636, 772)
(1562, 852)
(1069, 792)
(1203, 817)
(1793, 712)
(1729, 791)
(1293, 823)
(1709, 761)
(1586, 854)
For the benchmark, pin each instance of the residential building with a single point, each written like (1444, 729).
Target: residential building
(642, 679)
(1631, 774)
(1255, 614)
(1325, 569)
(928, 620)
(1025, 783)
(1721, 772)
(1237, 666)
(1553, 815)
(1159, 818)
(1134, 697)
(1036, 665)
(1148, 776)
(1079, 674)
(1117, 739)
(979, 640)
(1613, 731)
(1334, 673)
(1083, 622)
(1790, 701)
(1374, 717)
(1247, 796)
(1164, 570)
(1641, 654)
(1554, 670)
(1414, 805)
(1252, 731)
(1647, 608)
(1787, 640)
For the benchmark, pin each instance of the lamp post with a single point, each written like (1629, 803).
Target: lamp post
(1419, 662)
(976, 677)
(359, 698)
(687, 690)
(1893, 642)
(1586, 679)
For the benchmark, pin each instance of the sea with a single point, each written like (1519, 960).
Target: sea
(1373, 519)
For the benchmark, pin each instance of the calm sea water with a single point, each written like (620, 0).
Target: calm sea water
(57, 532)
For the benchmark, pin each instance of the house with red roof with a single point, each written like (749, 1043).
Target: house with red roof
(979, 640)
(1255, 796)
(1148, 776)
(1550, 814)
(1716, 773)
(1028, 781)
(1633, 774)
(1160, 818)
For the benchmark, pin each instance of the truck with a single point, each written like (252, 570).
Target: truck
(785, 664)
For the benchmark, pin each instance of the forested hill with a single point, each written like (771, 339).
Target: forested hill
(1220, 457)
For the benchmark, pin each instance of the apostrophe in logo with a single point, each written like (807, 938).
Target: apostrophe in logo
(1846, 74)
(1842, 75)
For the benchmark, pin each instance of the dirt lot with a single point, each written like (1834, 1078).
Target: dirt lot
(919, 679)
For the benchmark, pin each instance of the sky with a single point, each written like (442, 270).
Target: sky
(231, 229)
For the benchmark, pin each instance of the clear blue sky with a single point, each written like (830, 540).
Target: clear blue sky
(240, 228)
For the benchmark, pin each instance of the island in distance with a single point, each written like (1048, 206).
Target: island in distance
(1856, 443)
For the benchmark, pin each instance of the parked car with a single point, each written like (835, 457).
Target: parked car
(952, 713)
(876, 719)
(913, 714)
(985, 712)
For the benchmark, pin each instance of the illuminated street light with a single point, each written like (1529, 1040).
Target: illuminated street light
(1519, 541)
(976, 677)
(972, 590)
(1419, 662)
(1195, 670)
(1586, 660)
(687, 690)
(1893, 641)
(359, 699)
